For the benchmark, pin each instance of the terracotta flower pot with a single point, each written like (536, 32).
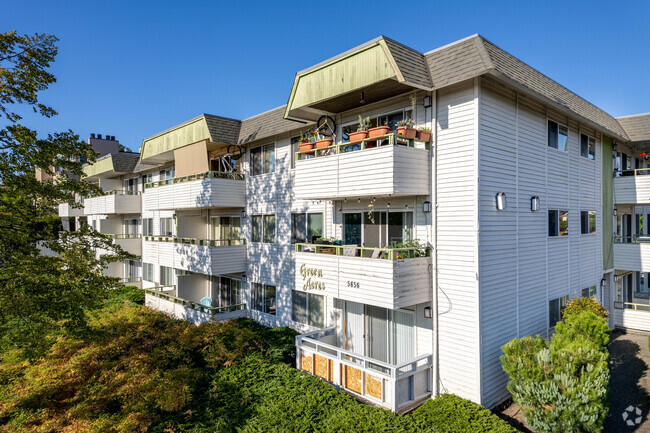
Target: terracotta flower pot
(356, 137)
(407, 131)
(423, 136)
(378, 131)
(324, 143)
(306, 147)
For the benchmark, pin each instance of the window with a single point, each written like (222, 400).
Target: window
(558, 223)
(587, 222)
(263, 298)
(555, 309)
(166, 276)
(166, 227)
(227, 291)
(308, 308)
(262, 159)
(131, 185)
(227, 230)
(589, 292)
(147, 272)
(147, 226)
(131, 269)
(263, 228)
(306, 226)
(587, 146)
(131, 227)
(557, 136)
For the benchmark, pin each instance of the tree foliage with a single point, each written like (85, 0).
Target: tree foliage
(139, 370)
(578, 305)
(562, 384)
(38, 291)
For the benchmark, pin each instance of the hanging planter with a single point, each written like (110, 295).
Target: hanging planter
(407, 132)
(423, 135)
(324, 143)
(305, 146)
(357, 137)
(378, 131)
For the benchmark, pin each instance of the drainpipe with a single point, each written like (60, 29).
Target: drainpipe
(434, 231)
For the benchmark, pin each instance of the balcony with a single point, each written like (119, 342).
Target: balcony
(397, 168)
(628, 315)
(395, 387)
(632, 253)
(132, 281)
(67, 211)
(384, 277)
(114, 202)
(206, 190)
(193, 312)
(632, 187)
(201, 256)
(131, 243)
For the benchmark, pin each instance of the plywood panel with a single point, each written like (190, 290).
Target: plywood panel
(353, 379)
(373, 386)
(307, 362)
(321, 367)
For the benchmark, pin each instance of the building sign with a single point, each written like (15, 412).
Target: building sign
(308, 277)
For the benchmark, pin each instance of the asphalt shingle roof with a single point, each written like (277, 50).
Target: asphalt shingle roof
(266, 125)
(410, 63)
(222, 129)
(636, 126)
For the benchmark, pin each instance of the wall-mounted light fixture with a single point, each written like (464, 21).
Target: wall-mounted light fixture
(427, 312)
(243, 214)
(501, 201)
(534, 203)
(426, 206)
(615, 211)
(615, 278)
(427, 101)
(602, 283)
(614, 146)
(243, 278)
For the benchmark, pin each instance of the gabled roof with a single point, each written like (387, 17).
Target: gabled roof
(111, 165)
(215, 129)
(266, 125)
(475, 56)
(637, 126)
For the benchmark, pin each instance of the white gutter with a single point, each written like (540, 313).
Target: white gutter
(434, 231)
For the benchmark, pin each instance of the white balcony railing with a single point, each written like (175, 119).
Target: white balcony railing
(632, 253)
(385, 277)
(66, 211)
(632, 186)
(114, 202)
(131, 243)
(392, 386)
(628, 315)
(202, 256)
(191, 311)
(210, 189)
(356, 170)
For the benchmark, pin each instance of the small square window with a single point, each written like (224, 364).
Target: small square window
(587, 146)
(557, 136)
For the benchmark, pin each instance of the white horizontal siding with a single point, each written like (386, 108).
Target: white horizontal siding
(631, 319)
(632, 257)
(196, 194)
(632, 190)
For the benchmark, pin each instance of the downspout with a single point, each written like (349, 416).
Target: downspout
(434, 232)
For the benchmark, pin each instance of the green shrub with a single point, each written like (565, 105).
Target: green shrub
(578, 305)
(121, 294)
(562, 384)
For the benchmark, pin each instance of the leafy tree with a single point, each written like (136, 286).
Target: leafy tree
(37, 292)
(562, 384)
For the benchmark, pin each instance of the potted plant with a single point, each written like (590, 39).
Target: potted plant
(362, 130)
(423, 134)
(324, 143)
(378, 131)
(405, 128)
(305, 144)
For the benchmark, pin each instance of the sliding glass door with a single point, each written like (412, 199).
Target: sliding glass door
(379, 333)
(377, 229)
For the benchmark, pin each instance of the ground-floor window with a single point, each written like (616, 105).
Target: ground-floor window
(589, 292)
(308, 308)
(263, 298)
(555, 308)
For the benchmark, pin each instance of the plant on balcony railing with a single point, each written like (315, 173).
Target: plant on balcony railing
(212, 311)
(195, 241)
(114, 192)
(193, 177)
(388, 139)
(397, 251)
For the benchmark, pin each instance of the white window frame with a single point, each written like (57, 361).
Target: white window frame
(250, 159)
(565, 151)
(589, 137)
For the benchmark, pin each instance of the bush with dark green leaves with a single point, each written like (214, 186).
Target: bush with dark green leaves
(561, 385)
(139, 370)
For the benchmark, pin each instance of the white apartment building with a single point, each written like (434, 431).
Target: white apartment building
(507, 210)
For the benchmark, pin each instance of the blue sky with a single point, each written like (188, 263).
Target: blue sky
(134, 68)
